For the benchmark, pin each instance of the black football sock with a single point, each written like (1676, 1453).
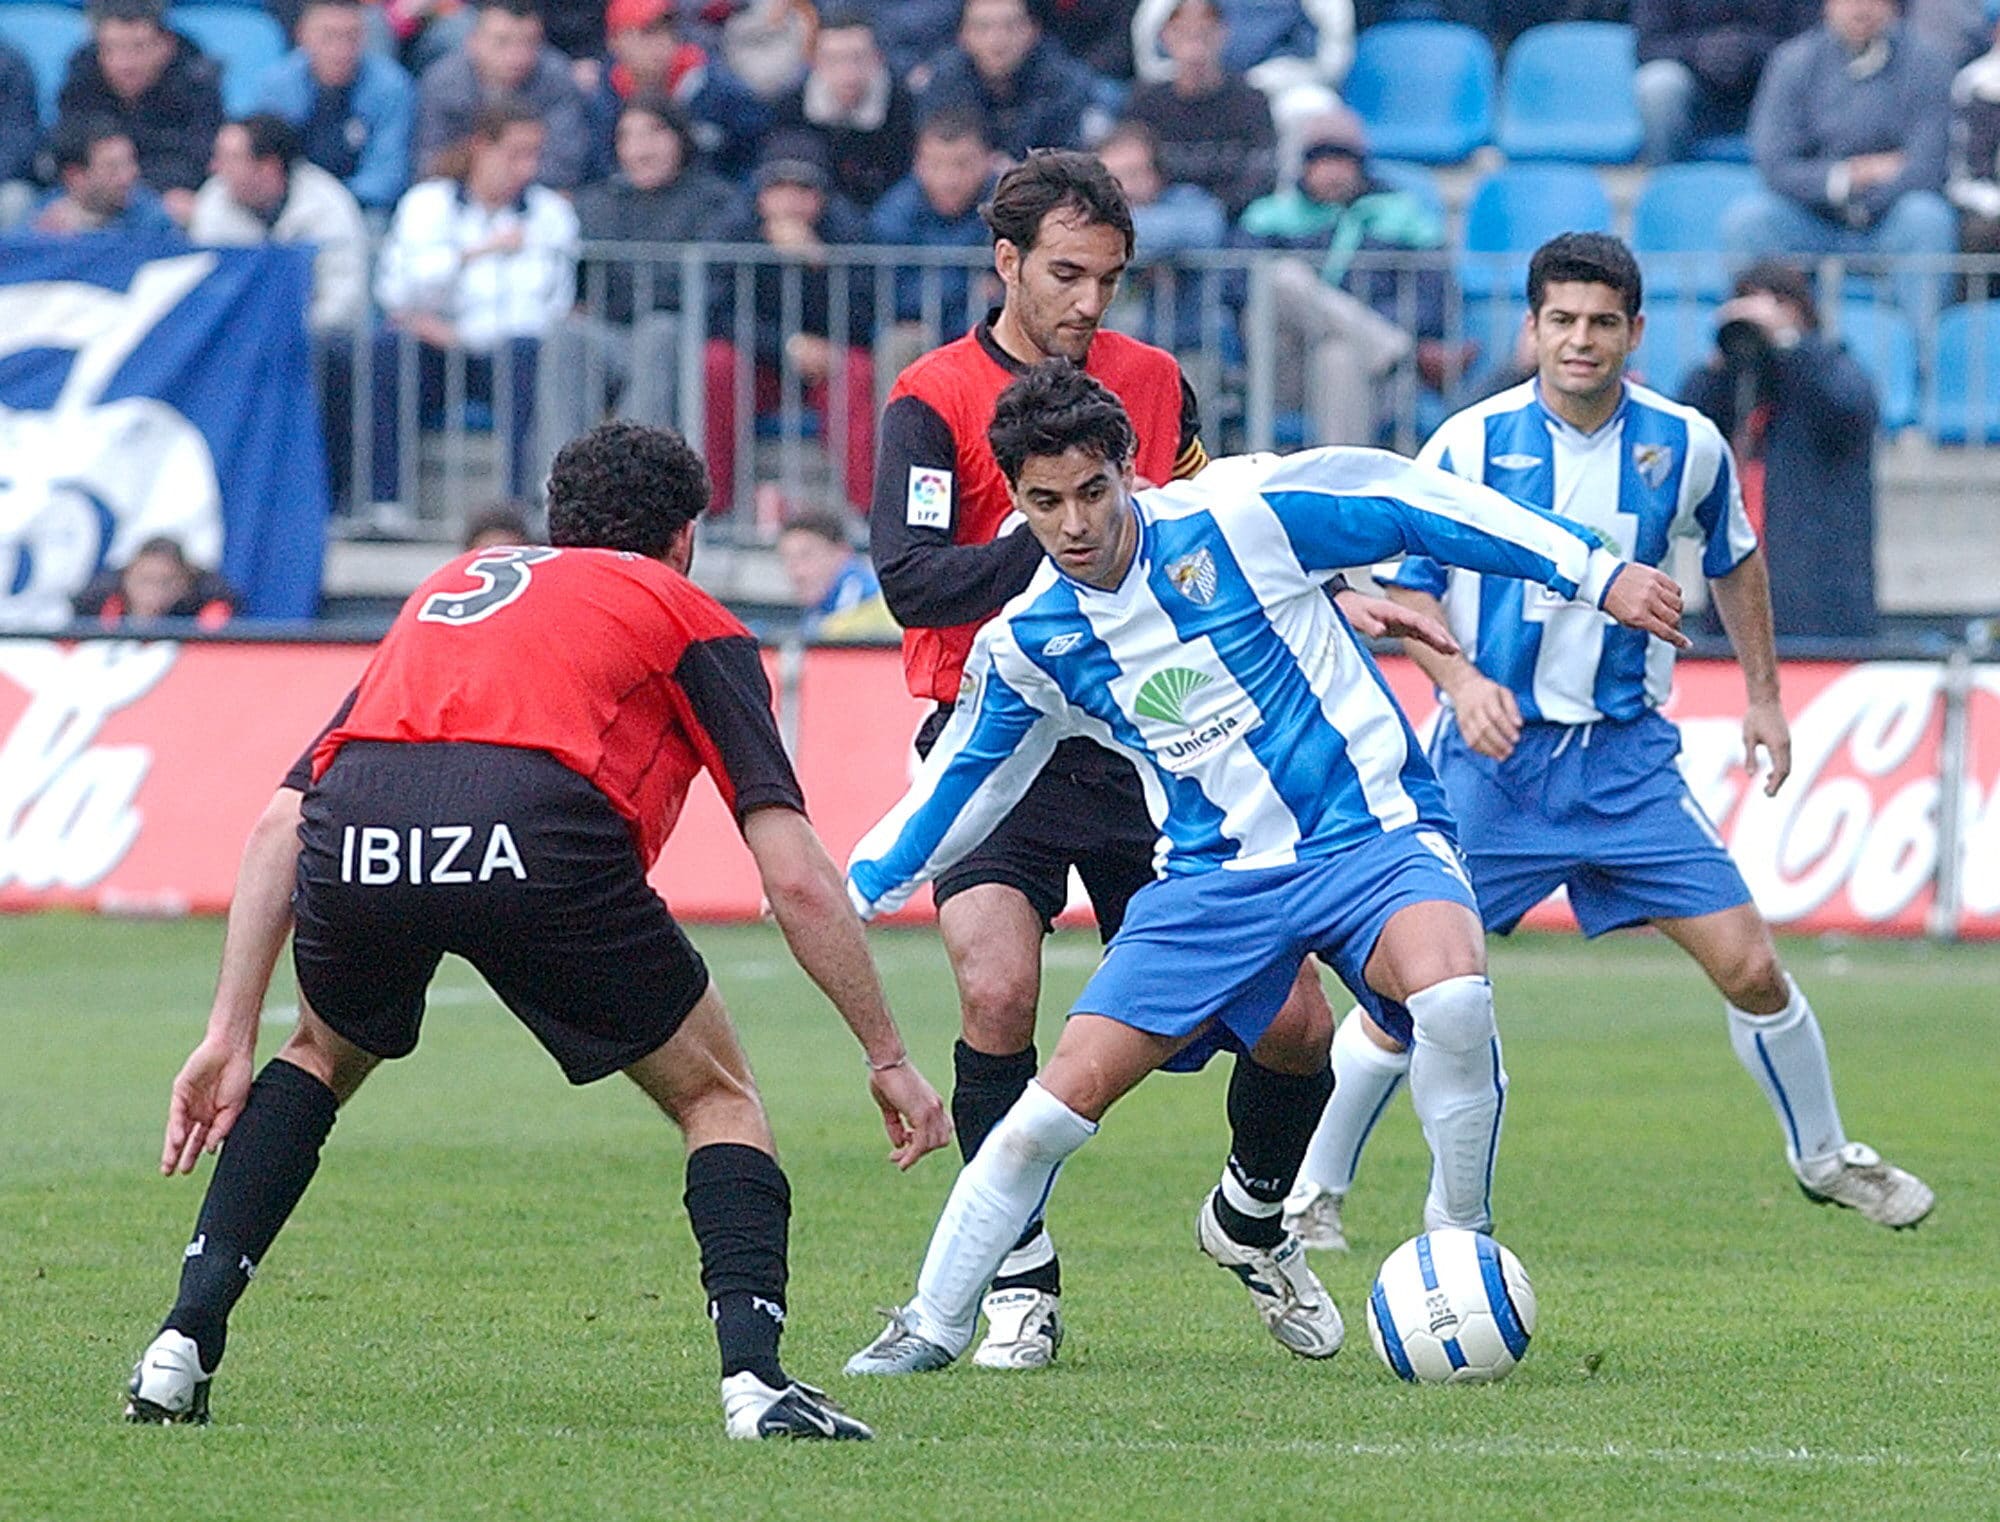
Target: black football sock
(268, 1159)
(984, 1088)
(740, 1207)
(1272, 1117)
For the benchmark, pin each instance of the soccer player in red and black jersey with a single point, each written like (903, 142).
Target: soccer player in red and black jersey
(496, 786)
(1062, 237)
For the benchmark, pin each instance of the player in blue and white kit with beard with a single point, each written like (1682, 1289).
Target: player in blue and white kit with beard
(1188, 628)
(1558, 765)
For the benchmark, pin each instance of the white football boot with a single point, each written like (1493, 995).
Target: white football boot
(1023, 1329)
(1288, 1296)
(1856, 1178)
(168, 1386)
(1312, 1214)
(753, 1410)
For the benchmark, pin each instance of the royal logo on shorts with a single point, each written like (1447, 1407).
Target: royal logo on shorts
(1652, 461)
(928, 501)
(1193, 576)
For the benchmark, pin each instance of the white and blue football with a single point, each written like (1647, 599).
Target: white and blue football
(1451, 1307)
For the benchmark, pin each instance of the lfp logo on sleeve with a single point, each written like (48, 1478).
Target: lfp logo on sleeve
(928, 504)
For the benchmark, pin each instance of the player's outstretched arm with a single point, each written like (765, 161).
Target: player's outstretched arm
(214, 1083)
(809, 900)
(1743, 598)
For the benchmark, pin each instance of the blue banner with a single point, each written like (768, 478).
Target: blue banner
(148, 389)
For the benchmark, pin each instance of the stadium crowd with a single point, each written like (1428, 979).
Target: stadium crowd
(480, 182)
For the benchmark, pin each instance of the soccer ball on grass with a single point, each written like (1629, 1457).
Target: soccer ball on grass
(1451, 1307)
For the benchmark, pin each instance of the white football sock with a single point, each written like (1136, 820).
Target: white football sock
(1459, 1089)
(997, 1194)
(1786, 1054)
(1365, 1078)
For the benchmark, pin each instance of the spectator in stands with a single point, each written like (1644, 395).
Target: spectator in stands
(835, 587)
(1351, 326)
(98, 189)
(1800, 416)
(1278, 43)
(160, 90)
(1956, 28)
(1699, 63)
(479, 265)
(264, 190)
(654, 57)
(1508, 19)
(1974, 183)
(20, 133)
(505, 58)
(354, 109)
(620, 350)
(1850, 131)
(913, 35)
(769, 43)
(1167, 220)
(504, 523)
(797, 214)
(158, 582)
(936, 205)
(1097, 33)
(1030, 93)
(1213, 128)
(861, 110)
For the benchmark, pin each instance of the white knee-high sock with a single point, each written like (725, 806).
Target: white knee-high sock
(996, 1195)
(1365, 1078)
(1459, 1089)
(1786, 1054)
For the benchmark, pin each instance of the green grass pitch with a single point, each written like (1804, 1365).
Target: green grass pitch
(487, 1305)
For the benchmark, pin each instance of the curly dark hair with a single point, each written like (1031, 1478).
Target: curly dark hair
(1053, 407)
(1056, 179)
(625, 487)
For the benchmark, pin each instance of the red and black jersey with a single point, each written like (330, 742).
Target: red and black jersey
(621, 669)
(940, 498)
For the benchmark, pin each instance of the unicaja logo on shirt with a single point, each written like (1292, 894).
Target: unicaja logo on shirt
(1165, 694)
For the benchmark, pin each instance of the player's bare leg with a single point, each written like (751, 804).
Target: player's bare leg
(993, 938)
(739, 1204)
(1431, 959)
(266, 1163)
(1096, 1062)
(1777, 1039)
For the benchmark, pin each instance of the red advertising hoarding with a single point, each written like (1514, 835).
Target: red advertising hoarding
(130, 773)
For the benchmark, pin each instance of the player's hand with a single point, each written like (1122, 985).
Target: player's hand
(912, 1113)
(1650, 600)
(1487, 715)
(1380, 618)
(209, 1093)
(1765, 728)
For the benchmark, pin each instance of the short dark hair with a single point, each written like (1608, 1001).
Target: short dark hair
(1785, 281)
(504, 517)
(623, 486)
(1132, 130)
(1055, 406)
(271, 137)
(76, 138)
(1052, 179)
(154, 11)
(665, 110)
(845, 18)
(491, 121)
(1592, 258)
(951, 124)
(525, 9)
(821, 523)
(163, 544)
(339, 5)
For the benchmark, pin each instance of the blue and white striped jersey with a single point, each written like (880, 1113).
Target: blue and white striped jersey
(1655, 472)
(1261, 729)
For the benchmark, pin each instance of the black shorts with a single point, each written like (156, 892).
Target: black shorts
(1086, 810)
(518, 865)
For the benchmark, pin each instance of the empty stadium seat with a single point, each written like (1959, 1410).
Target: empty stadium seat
(1518, 208)
(1884, 342)
(1674, 226)
(244, 42)
(45, 35)
(1566, 93)
(1680, 336)
(1425, 89)
(1965, 376)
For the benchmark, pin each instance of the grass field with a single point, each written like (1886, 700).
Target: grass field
(487, 1307)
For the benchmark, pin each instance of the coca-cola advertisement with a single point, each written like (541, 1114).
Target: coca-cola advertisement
(130, 773)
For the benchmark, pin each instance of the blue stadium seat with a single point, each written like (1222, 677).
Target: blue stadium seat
(1965, 376)
(1566, 93)
(1518, 208)
(1680, 336)
(1674, 223)
(45, 35)
(1425, 89)
(244, 42)
(1884, 342)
